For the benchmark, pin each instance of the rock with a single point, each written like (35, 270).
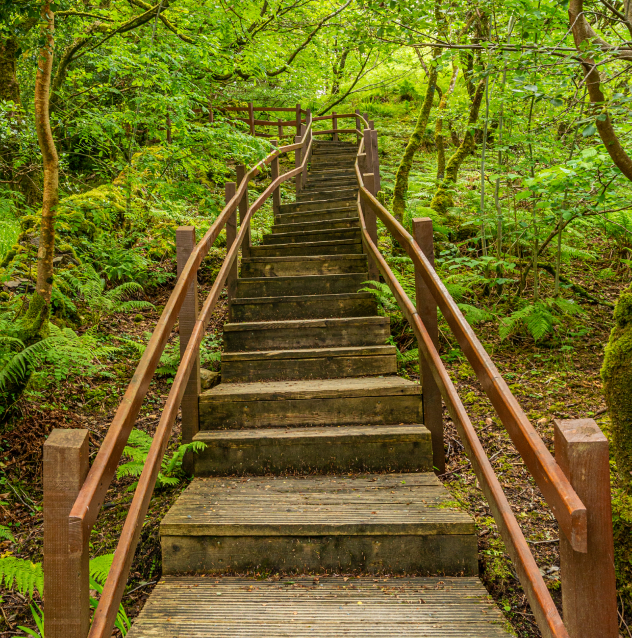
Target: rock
(209, 379)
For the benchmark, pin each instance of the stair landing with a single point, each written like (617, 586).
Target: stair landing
(331, 607)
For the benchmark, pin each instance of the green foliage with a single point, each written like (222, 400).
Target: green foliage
(5, 534)
(9, 226)
(137, 449)
(538, 319)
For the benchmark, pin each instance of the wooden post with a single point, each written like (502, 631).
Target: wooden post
(185, 243)
(168, 128)
(368, 150)
(334, 120)
(427, 310)
(298, 119)
(243, 211)
(297, 162)
(274, 173)
(280, 128)
(589, 596)
(377, 182)
(358, 122)
(251, 118)
(66, 573)
(366, 116)
(231, 233)
(370, 219)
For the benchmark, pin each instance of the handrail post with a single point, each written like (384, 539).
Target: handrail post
(307, 137)
(377, 182)
(251, 118)
(185, 244)
(427, 310)
(358, 125)
(274, 173)
(230, 188)
(370, 221)
(298, 119)
(298, 158)
(243, 211)
(334, 120)
(589, 596)
(66, 573)
(368, 150)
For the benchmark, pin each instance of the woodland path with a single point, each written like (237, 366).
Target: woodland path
(316, 459)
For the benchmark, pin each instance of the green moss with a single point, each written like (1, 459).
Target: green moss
(617, 379)
(34, 325)
(622, 532)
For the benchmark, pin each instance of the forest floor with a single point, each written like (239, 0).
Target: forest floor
(554, 379)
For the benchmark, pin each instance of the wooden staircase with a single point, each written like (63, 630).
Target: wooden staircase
(316, 461)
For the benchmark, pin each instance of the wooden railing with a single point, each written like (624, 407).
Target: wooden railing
(586, 543)
(576, 487)
(72, 500)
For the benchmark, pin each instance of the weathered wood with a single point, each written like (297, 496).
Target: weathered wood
(427, 310)
(66, 570)
(370, 220)
(185, 244)
(589, 595)
(300, 285)
(336, 247)
(303, 265)
(274, 173)
(302, 236)
(377, 182)
(297, 162)
(298, 119)
(389, 448)
(368, 150)
(231, 233)
(243, 208)
(335, 126)
(251, 118)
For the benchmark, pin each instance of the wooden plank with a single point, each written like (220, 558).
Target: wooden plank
(589, 592)
(370, 219)
(243, 211)
(297, 119)
(427, 310)
(231, 233)
(66, 572)
(185, 244)
(335, 126)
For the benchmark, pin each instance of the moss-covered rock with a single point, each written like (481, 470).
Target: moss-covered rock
(622, 531)
(617, 380)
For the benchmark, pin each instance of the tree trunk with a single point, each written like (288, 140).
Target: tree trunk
(39, 308)
(616, 374)
(442, 199)
(439, 136)
(415, 141)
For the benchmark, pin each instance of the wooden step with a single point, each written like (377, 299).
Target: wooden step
(331, 402)
(348, 304)
(324, 195)
(308, 363)
(306, 236)
(321, 224)
(304, 285)
(372, 523)
(303, 265)
(382, 448)
(335, 247)
(312, 607)
(324, 204)
(337, 332)
(333, 214)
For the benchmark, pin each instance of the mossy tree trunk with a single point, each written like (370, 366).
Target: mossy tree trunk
(442, 199)
(36, 320)
(439, 136)
(616, 374)
(414, 143)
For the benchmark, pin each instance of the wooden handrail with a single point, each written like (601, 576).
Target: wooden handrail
(90, 498)
(535, 588)
(555, 487)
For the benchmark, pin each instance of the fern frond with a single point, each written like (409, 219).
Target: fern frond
(22, 575)
(100, 567)
(5, 534)
(473, 314)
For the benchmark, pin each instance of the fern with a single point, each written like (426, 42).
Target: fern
(137, 450)
(5, 534)
(475, 315)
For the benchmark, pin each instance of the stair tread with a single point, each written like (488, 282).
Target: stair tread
(307, 244)
(303, 323)
(304, 258)
(305, 606)
(311, 389)
(282, 228)
(316, 432)
(309, 353)
(368, 504)
(297, 298)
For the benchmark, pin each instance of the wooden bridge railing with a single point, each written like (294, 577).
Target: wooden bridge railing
(72, 500)
(586, 543)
